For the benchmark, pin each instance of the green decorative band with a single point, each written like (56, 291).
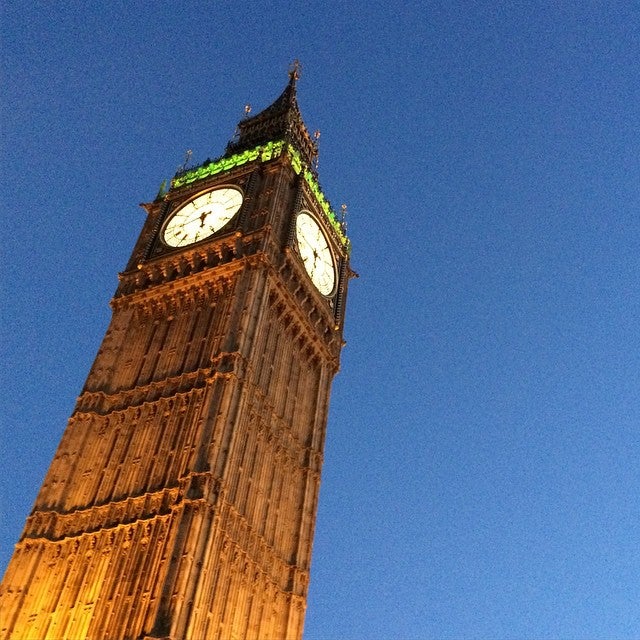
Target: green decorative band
(299, 167)
(264, 153)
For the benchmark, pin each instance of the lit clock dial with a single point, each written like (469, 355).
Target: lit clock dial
(315, 253)
(202, 217)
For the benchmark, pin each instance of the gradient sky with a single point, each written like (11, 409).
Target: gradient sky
(482, 467)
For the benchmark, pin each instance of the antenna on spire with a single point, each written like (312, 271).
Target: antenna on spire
(295, 68)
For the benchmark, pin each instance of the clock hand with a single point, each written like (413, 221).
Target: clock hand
(314, 266)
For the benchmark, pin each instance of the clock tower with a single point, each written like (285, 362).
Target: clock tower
(181, 501)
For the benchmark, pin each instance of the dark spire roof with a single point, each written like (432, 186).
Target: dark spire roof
(280, 121)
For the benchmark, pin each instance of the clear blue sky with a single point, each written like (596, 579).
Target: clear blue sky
(482, 468)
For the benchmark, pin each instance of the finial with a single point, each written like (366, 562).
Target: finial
(247, 109)
(316, 158)
(162, 190)
(187, 157)
(343, 218)
(295, 69)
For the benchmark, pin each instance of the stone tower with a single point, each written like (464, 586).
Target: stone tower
(182, 498)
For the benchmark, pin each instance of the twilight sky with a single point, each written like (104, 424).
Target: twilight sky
(482, 467)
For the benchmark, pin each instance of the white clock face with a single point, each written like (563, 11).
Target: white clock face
(315, 253)
(202, 216)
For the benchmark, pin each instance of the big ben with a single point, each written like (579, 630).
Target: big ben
(181, 501)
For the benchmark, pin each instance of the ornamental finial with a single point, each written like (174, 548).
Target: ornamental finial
(316, 159)
(343, 218)
(295, 69)
(187, 158)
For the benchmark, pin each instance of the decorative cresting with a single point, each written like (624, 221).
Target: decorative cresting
(280, 121)
(265, 153)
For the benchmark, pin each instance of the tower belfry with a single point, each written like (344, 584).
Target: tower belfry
(181, 501)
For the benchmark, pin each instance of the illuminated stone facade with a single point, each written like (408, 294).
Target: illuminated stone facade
(181, 501)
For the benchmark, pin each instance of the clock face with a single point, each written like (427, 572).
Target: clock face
(315, 253)
(202, 217)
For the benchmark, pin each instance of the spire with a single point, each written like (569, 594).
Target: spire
(280, 121)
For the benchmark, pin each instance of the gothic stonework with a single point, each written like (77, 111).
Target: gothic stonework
(181, 501)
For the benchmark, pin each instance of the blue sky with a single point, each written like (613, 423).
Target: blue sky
(482, 469)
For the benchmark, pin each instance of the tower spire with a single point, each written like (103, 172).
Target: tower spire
(281, 120)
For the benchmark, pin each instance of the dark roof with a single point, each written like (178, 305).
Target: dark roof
(279, 121)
